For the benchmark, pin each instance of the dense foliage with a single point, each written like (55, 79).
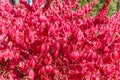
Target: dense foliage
(58, 42)
(112, 8)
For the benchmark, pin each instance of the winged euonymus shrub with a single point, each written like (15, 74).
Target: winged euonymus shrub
(59, 41)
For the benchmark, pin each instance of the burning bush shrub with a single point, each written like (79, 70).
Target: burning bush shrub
(58, 42)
